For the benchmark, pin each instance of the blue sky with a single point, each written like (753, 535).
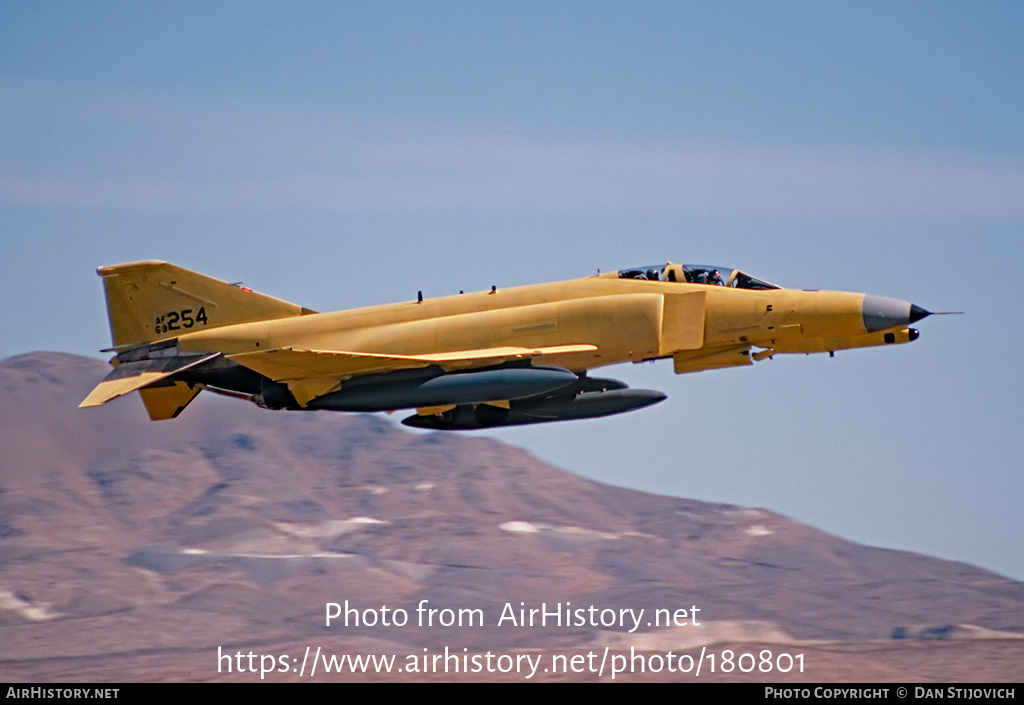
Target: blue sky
(345, 154)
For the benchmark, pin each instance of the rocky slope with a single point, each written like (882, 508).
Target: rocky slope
(233, 526)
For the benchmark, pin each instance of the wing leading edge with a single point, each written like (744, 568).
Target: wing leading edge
(312, 373)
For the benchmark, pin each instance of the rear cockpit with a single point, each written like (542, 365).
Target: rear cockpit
(695, 274)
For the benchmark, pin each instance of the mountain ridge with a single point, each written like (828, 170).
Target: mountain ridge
(238, 525)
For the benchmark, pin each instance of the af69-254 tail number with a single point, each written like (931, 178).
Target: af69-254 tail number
(179, 320)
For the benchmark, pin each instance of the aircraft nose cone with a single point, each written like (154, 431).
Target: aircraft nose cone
(917, 313)
(881, 312)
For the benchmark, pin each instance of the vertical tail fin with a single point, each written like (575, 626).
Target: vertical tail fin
(151, 300)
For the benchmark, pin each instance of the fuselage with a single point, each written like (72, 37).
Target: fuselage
(499, 357)
(626, 319)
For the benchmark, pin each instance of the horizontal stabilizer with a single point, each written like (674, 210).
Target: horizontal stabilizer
(288, 364)
(130, 376)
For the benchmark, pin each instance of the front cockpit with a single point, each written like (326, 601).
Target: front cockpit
(696, 274)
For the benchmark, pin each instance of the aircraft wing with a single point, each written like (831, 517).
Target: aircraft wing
(286, 364)
(310, 373)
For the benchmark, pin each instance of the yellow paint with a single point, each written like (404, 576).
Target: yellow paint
(111, 389)
(577, 325)
(167, 402)
(147, 301)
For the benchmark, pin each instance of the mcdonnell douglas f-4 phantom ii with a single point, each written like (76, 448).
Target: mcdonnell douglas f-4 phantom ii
(478, 360)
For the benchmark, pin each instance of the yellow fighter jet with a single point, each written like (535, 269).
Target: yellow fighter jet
(493, 358)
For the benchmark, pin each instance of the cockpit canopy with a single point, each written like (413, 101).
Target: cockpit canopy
(696, 274)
